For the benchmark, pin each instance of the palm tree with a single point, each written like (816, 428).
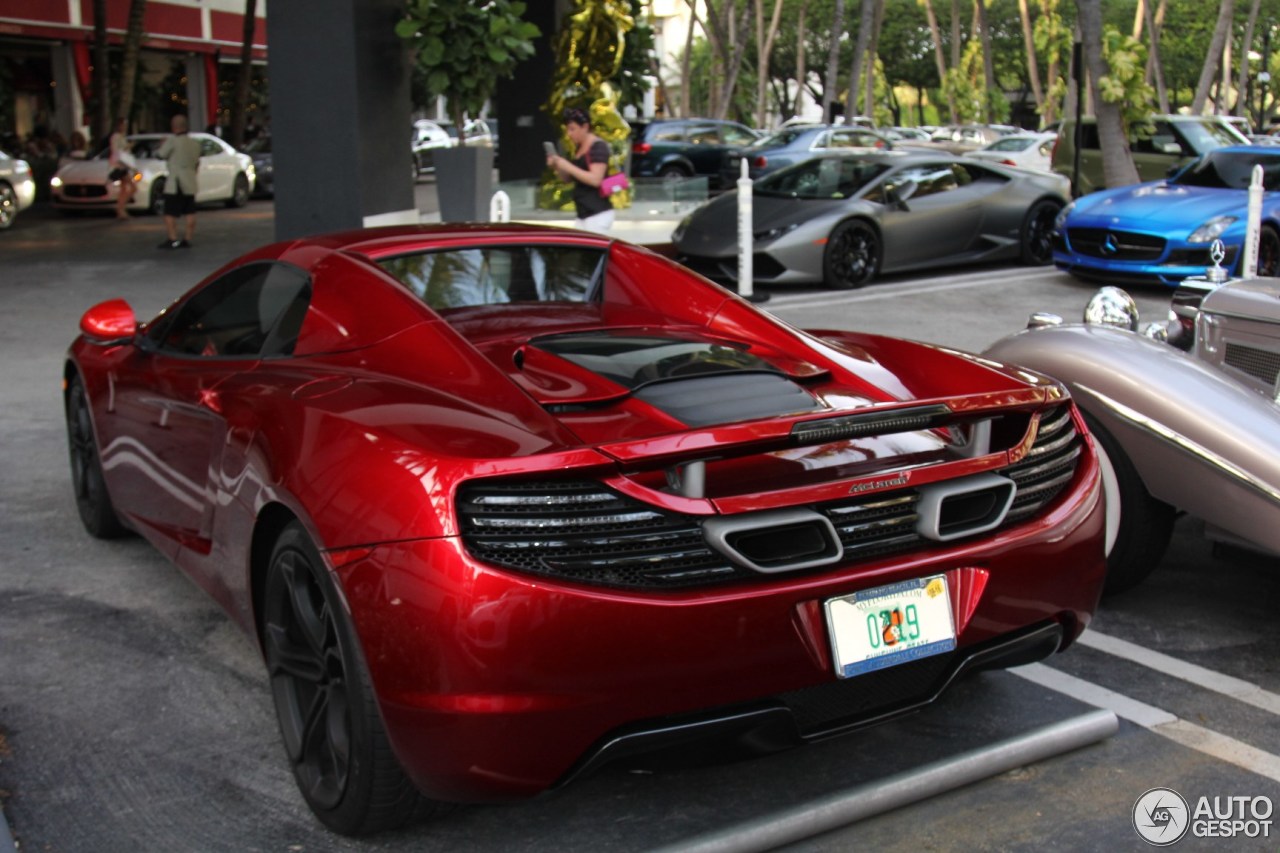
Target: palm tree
(240, 100)
(866, 21)
(833, 58)
(129, 63)
(1117, 162)
(1213, 57)
(1033, 67)
(765, 41)
(938, 57)
(101, 72)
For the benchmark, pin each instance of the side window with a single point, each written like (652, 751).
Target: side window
(822, 141)
(1089, 137)
(208, 148)
(704, 134)
(734, 135)
(669, 133)
(252, 311)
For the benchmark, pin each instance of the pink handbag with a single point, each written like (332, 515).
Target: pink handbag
(614, 184)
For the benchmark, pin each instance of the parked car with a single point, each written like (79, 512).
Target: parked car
(963, 138)
(797, 144)
(1026, 150)
(908, 134)
(427, 138)
(259, 149)
(685, 148)
(501, 503)
(1168, 142)
(225, 175)
(1195, 432)
(842, 218)
(17, 188)
(1160, 232)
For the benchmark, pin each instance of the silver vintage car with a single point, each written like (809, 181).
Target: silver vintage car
(1185, 413)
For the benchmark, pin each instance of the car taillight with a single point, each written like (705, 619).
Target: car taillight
(879, 143)
(641, 148)
(760, 162)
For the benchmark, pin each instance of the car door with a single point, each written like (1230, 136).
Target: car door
(166, 460)
(1154, 155)
(936, 221)
(215, 179)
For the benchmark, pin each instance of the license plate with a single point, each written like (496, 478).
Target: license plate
(889, 625)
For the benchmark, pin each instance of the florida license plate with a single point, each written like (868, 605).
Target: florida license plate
(890, 625)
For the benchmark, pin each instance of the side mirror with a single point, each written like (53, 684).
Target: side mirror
(903, 191)
(109, 322)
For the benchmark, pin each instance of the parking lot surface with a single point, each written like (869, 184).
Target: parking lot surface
(134, 716)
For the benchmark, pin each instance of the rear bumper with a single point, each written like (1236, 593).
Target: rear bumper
(495, 685)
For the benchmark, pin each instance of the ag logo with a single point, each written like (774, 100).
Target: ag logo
(1161, 817)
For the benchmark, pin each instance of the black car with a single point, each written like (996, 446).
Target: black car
(685, 148)
(259, 149)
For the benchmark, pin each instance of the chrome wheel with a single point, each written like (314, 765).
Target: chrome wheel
(8, 205)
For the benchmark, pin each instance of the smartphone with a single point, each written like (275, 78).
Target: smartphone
(550, 148)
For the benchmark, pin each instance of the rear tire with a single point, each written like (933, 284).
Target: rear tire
(90, 485)
(329, 720)
(1139, 526)
(156, 202)
(672, 172)
(240, 193)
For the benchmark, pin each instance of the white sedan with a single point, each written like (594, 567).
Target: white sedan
(17, 188)
(1027, 150)
(225, 175)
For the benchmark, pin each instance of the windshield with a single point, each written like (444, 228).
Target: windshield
(1232, 170)
(496, 275)
(1207, 134)
(826, 177)
(782, 138)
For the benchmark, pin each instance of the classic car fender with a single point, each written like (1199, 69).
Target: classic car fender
(1199, 440)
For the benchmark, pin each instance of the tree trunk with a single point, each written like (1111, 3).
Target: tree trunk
(129, 62)
(955, 33)
(766, 39)
(833, 60)
(1155, 69)
(240, 100)
(802, 70)
(1117, 162)
(866, 20)
(988, 63)
(873, 52)
(1213, 56)
(1246, 48)
(101, 123)
(939, 59)
(685, 60)
(1139, 16)
(1033, 67)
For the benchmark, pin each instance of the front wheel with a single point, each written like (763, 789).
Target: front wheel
(672, 172)
(8, 205)
(1138, 526)
(240, 192)
(324, 700)
(87, 480)
(852, 256)
(1037, 233)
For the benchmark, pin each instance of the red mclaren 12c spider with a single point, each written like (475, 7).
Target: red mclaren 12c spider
(500, 504)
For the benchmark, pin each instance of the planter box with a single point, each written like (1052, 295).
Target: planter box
(464, 182)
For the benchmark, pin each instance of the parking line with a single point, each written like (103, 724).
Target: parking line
(1156, 720)
(914, 289)
(1237, 688)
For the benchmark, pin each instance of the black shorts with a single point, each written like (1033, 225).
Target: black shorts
(179, 204)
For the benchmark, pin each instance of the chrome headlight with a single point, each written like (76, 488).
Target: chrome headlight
(1111, 306)
(1211, 230)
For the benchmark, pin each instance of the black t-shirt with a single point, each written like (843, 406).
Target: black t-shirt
(586, 198)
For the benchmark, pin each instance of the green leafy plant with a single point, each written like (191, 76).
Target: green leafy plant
(464, 47)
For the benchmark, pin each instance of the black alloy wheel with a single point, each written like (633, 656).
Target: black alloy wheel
(852, 255)
(324, 700)
(1268, 252)
(1037, 233)
(90, 486)
(672, 172)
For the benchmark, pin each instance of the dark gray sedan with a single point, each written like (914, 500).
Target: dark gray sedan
(841, 219)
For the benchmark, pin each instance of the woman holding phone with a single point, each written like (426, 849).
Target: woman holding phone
(586, 170)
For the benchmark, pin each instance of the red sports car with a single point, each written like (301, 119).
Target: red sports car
(503, 503)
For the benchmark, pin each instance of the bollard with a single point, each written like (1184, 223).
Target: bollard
(1253, 227)
(745, 239)
(500, 207)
